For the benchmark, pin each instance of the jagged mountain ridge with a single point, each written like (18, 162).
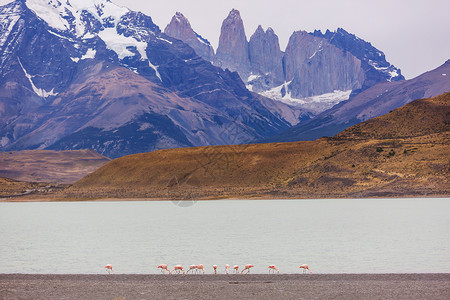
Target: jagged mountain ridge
(316, 71)
(90, 74)
(180, 28)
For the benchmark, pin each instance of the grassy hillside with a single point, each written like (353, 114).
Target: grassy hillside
(402, 153)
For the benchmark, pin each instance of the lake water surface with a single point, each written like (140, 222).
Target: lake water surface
(332, 236)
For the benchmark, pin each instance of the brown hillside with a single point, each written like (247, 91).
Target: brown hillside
(403, 153)
(418, 118)
(49, 166)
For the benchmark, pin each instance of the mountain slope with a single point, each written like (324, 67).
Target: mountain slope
(368, 159)
(373, 102)
(90, 74)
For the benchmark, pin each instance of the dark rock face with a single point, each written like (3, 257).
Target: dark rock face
(110, 81)
(373, 102)
(232, 52)
(180, 28)
(314, 67)
(266, 59)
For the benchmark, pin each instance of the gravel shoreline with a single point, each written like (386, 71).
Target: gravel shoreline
(252, 286)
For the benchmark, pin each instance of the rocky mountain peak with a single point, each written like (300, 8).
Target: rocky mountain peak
(180, 18)
(270, 31)
(180, 28)
(259, 30)
(266, 59)
(232, 52)
(234, 15)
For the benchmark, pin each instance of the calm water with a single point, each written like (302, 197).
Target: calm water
(332, 236)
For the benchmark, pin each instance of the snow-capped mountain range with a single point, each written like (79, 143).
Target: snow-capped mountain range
(78, 74)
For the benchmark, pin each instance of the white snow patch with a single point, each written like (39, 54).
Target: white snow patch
(60, 36)
(54, 11)
(376, 67)
(393, 74)
(38, 91)
(333, 97)
(50, 12)
(156, 70)
(88, 35)
(164, 40)
(119, 43)
(275, 93)
(10, 19)
(90, 53)
(252, 77)
(327, 98)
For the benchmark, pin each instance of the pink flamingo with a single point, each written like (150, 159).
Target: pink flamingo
(236, 269)
(109, 269)
(305, 267)
(227, 267)
(164, 268)
(200, 267)
(178, 269)
(247, 267)
(273, 268)
(215, 269)
(192, 268)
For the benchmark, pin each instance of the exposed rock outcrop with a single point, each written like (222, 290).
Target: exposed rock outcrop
(331, 66)
(180, 28)
(373, 61)
(266, 59)
(313, 67)
(232, 52)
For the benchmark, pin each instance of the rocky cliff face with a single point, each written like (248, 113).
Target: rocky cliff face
(373, 61)
(315, 72)
(232, 52)
(180, 28)
(313, 67)
(266, 60)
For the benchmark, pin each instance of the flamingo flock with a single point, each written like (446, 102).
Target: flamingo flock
(178, 269)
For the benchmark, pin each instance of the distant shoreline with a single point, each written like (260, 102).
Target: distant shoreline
(253, 286)
(24, 199)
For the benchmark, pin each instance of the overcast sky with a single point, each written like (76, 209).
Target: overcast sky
(413, 34)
